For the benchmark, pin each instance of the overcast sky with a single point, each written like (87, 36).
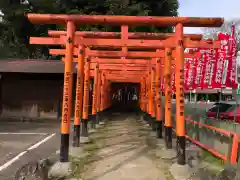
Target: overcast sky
(228, 9)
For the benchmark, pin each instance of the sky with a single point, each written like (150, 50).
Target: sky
(228, 9)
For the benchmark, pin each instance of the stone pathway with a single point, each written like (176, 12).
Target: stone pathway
(125, 153)
(126, 148)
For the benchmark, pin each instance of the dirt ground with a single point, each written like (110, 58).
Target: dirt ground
(124, 151)
(126, 148)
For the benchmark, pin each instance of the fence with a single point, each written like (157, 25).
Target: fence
(209, 134)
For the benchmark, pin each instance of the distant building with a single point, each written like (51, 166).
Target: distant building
(31, 88)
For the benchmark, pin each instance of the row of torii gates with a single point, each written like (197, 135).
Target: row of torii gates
(123, 57)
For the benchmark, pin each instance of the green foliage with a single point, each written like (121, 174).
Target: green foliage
(15, 29)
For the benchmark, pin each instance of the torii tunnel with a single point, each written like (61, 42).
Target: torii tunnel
(127, 70)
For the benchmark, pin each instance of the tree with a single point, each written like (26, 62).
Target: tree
(17, 29)
(227, 28)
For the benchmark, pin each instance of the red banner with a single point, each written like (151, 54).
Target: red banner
(232, 74)
(191, 69)
(215, 56)
(186, 68)
(215, 69)
(198, 74)
(212, 57)
(194, 80)
(207, 70)
(204, 69)
(218, 80)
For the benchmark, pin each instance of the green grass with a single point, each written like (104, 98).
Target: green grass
(212, 164)
(79, 165)
(208, 157)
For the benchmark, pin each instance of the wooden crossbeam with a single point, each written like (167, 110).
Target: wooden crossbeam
(134, 43)
(122, 73)
(117, 35)
(126, 20)
(133, 54)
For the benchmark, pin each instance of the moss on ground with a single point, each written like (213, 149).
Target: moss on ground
(79, 164)
(213, 165)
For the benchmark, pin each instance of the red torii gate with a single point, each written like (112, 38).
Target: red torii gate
(178, 42)
(157, 54)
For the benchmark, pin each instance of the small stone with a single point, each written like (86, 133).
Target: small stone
(98, 126)
(181, 172)
(32, 170)
(152, 134)
(77, 152)
(101, 123)
(92, 130)
(84, 140)
(227, 173)
(167, 154)
(193, 161)
(60, 170)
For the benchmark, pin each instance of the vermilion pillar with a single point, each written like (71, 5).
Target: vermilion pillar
(79, 97)
(86, 98)
(168, 98)
(98, 97)
(180, 122)
(95, 92)
(67, 93)
(159, 122)
(153, 105)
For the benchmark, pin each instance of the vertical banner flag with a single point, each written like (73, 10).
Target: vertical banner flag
(233, 59)
(199, 69)
(218, 78)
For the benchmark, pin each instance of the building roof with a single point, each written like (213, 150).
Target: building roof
(32, 66)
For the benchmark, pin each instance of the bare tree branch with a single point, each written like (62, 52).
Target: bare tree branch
(211, 33)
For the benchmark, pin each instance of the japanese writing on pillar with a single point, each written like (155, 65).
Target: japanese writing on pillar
(143, 91)
(162, 79)
(173, 78)
(169, 92)
(66, 97)
(78, 90)
(158, 83)
(154, 88)
(181, 112)
(146, 88)
(181, 83)
(158, 87)
(86, 83)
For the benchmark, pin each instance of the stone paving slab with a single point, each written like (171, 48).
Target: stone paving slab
(124, 153)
